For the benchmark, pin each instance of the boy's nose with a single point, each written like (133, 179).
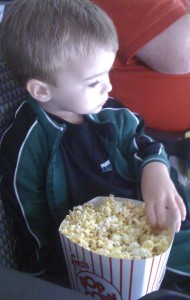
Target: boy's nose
(109, 87)
(106, 88)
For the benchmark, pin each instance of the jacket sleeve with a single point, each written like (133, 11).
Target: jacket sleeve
(142, 149)
(24, 198)
(138, 148)
(134, 144)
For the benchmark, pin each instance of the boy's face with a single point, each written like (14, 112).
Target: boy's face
(83, 88)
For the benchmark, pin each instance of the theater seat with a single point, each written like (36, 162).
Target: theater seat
(11, 94)
(165, 295)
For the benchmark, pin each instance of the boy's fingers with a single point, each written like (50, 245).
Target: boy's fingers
(182, 207)
(177, 212)
(156, 215)
(161, 216)
(151, 216)
(177, 227)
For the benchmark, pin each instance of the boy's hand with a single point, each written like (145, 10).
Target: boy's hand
(161, 198)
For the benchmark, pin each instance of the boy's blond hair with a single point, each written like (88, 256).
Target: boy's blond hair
(40, 37)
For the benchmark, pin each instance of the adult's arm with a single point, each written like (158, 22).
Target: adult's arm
(169, 52)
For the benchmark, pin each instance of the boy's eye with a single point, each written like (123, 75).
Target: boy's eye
(94, 84)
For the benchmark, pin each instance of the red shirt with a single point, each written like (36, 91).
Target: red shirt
(162, 99)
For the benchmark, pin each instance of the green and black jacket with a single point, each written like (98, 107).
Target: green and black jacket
(34, 183)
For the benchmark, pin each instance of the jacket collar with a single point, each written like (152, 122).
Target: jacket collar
(52, 127)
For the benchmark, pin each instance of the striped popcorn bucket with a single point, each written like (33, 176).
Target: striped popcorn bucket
(109, 278)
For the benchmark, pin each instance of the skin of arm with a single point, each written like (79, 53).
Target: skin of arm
(162, 201)
(169, 52)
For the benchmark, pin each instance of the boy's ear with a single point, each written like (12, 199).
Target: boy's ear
(39, 90)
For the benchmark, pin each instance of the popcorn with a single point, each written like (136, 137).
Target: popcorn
(115, 229)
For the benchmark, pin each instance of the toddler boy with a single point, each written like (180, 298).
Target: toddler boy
(70, 142)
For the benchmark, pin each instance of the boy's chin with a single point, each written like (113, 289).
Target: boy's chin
(97, 110)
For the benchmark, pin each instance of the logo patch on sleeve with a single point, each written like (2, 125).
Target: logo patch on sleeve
(106, 166)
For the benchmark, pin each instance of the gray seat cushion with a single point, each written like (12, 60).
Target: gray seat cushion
(11, 95)
(6, 241)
